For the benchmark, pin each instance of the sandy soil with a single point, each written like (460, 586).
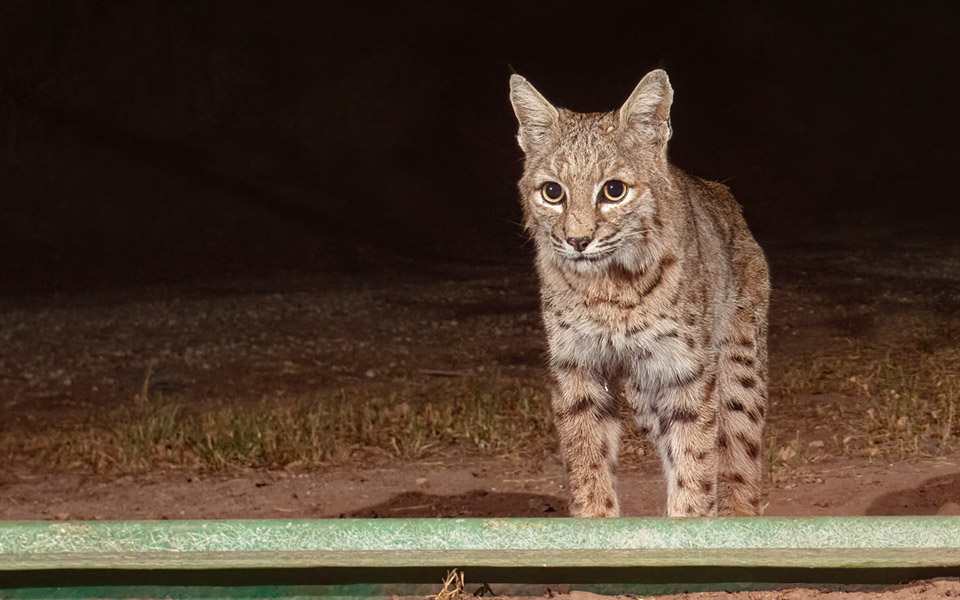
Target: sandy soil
(469, 488)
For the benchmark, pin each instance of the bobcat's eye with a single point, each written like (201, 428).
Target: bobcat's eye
(552, 192)
(614, 191)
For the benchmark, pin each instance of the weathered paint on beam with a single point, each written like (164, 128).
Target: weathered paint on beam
(827, 542)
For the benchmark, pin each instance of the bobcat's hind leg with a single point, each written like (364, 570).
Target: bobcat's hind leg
(588, 423)
(743, 395)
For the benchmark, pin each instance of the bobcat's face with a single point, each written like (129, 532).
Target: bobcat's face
(584, 203)
(591, 181)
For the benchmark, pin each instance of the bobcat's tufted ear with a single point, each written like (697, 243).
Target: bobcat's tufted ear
(646, 113)
(537, 116)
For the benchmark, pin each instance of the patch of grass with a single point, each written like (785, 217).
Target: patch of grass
(904, 402)
(497, 416)
(915, 410)
(894, 403)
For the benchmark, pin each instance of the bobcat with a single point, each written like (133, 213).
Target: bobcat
(653, 290)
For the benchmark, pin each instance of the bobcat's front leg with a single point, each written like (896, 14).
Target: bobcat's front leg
(686, 437)
(588, 423)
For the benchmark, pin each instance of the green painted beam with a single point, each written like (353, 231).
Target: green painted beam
(367, 559)
(828, 542)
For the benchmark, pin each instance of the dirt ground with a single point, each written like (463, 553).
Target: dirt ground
(923, 590)
(467, 488)
(842, 309)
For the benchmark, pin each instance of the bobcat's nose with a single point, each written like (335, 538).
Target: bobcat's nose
(579, 243)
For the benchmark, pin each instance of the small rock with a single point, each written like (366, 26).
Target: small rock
(421, 480)
(816, 444)
(950, 508)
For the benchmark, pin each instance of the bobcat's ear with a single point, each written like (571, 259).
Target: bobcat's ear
(536, 116)
(646, 113)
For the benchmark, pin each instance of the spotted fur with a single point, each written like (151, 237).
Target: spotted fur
(665, 308)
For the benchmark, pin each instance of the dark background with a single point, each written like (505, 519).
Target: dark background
(165, 141)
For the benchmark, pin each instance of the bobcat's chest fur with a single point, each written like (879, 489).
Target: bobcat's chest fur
(645, 323)
(650, 284)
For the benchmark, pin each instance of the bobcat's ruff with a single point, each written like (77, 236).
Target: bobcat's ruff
(657, 296)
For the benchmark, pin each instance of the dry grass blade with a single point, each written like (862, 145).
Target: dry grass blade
(453, 586)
